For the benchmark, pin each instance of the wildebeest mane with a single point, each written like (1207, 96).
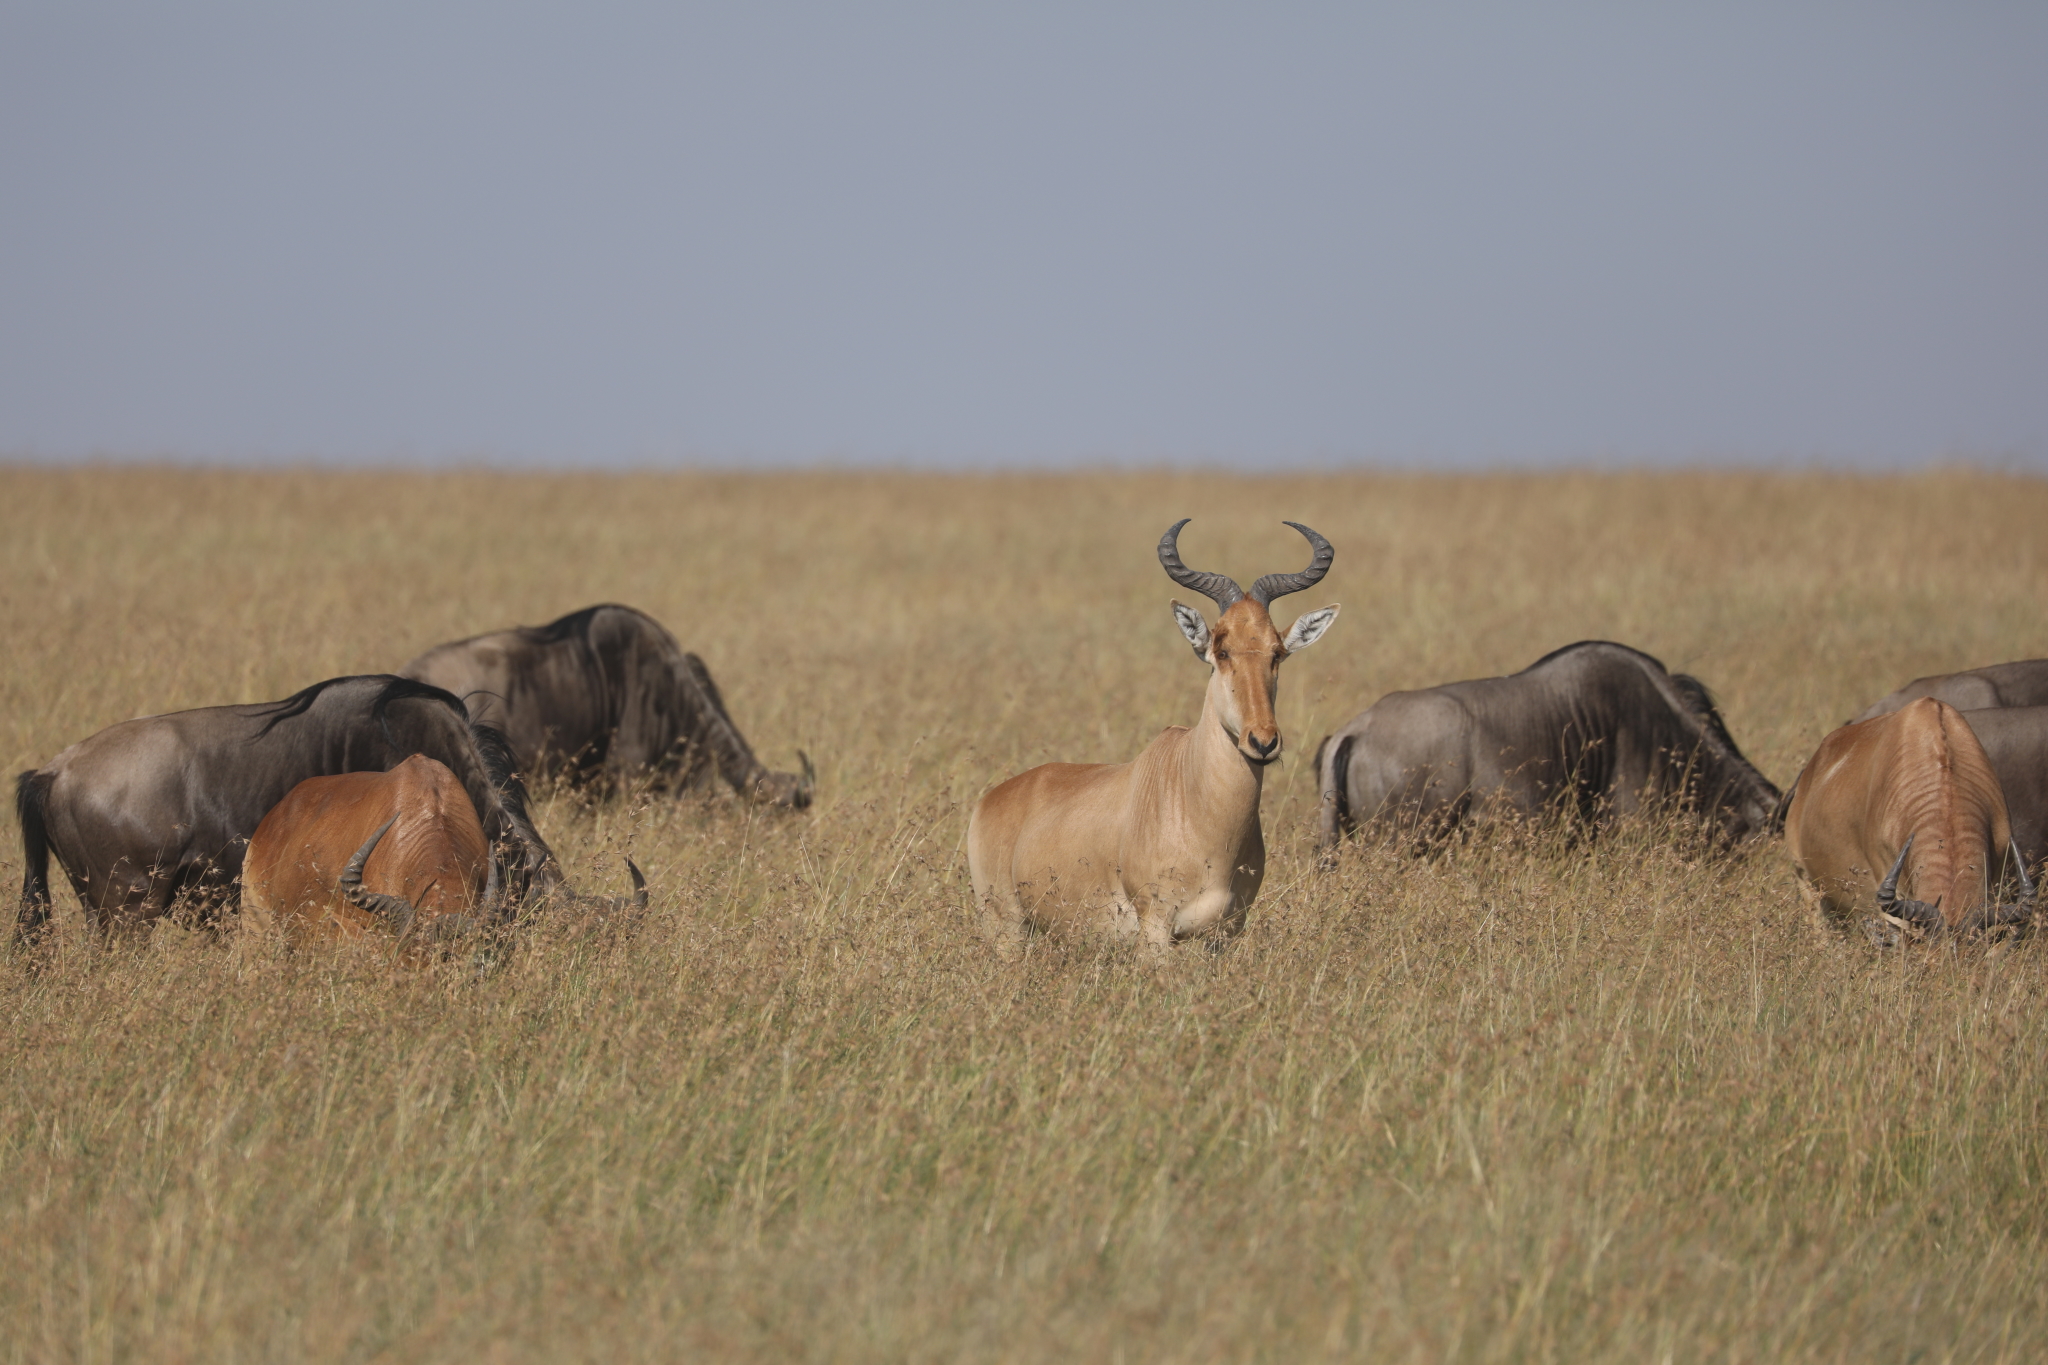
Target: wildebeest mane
(501, 770)
(394, 689)
(576, 625)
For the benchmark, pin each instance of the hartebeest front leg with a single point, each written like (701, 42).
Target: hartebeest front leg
(1153, 914)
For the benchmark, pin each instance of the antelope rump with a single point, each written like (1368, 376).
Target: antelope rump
(1912, 792)
(358, 853)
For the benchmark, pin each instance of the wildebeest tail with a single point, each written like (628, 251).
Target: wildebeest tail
(31, 794)
(1335, 800)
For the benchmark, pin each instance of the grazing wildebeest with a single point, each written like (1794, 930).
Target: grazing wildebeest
(2022, 683)
(2015, 739)
(160, 805)
(1168, 845)
(402, 850)
(1590, 731)
(1913, 792)
(605, 695)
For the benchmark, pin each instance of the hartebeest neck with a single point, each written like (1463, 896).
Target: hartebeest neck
(1220, 787)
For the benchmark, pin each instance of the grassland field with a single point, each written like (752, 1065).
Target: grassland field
(1518, 1101)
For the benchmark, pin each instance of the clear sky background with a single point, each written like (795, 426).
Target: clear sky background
(1272, 235)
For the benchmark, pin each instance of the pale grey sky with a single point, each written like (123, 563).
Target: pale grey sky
(967, 234)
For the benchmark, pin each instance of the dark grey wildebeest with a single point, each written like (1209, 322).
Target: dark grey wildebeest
(2022, 683)
(162, 805)
(606, 696)
(1591, 731)
(2015, 739)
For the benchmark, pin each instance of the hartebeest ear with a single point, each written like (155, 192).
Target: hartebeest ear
(1309, 627)
(1194, 627)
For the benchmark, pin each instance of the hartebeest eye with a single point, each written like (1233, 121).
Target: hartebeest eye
(1222, 656)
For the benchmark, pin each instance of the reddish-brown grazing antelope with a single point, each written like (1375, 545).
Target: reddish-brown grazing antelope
(1912, 791)
(1168, 845)
(398, 852)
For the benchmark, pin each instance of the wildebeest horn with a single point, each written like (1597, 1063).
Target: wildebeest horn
(1216, 587)
(639, 885)
(1275, 585)
(396, 909)
(2004, 916)
(1888, 889)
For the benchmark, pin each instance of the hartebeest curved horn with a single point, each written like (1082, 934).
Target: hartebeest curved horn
(2026, 883)
(396, 909)
(639, 885)
(1218, 588)
(1888, 889)
(1274, 585)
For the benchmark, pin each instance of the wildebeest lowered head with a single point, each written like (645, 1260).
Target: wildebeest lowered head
(606, 696)
(1593, 730)
(162, 805)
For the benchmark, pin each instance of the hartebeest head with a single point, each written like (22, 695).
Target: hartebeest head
(1243, 649)
(1929, 920)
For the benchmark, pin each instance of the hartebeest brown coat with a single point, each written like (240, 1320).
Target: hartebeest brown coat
(398, 852)
(1905, 804)
(1168, 845)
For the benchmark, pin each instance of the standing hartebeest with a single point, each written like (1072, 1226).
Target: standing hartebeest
(1168, 845)
(1912, 791)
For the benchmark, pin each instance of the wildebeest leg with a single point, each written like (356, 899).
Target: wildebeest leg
(132, 899)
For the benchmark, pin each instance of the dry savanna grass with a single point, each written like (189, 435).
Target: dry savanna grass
(1518, 1101)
